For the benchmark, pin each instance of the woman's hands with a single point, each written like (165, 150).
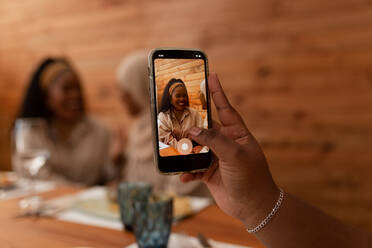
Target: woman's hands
(197, 149)
(239, 179)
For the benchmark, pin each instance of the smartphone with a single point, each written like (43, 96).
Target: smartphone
(179, 100)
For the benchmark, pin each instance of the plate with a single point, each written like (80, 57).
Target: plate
(105, 208)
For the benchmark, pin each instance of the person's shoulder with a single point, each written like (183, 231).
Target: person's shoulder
(164, 118)
(164, 114)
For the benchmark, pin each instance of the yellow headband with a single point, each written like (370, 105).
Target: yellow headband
(50, 72)
(173, 86)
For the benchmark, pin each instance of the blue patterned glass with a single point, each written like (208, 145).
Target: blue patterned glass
(127, 193)
(153, 223)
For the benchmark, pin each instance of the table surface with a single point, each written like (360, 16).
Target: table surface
(49, 232)
(169, 151)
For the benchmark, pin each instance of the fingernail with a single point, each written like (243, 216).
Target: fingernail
(195, 131)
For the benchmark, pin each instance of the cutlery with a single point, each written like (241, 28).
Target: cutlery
(203, 241)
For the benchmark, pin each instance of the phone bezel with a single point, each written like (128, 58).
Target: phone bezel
(185, 163)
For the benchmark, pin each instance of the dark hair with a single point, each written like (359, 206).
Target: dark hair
(165, 104)
(34, 100)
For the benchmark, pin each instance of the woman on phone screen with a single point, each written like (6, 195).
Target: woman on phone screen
(175, 117)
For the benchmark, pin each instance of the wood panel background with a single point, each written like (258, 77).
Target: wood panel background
(191, 72)
(300, 73)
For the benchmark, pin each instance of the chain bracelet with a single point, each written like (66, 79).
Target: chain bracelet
(270, 216)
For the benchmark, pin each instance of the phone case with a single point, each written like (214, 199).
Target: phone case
(154, 109)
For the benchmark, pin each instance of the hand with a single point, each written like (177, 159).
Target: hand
(197, 149)
(239, 179)
(176, 134)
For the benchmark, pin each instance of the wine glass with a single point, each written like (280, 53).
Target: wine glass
(30, 147)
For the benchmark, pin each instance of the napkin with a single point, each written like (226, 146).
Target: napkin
(184, 241)
(77, 215)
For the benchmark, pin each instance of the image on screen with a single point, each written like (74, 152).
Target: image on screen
(181, 103)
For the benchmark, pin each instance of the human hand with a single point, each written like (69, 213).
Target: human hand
(176, 134)
(239, 179)
(197, 149)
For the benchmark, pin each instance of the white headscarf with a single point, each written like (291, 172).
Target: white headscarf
(132, 76)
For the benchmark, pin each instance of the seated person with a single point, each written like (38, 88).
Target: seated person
(139, 163)
(175, 117)
(78, 144)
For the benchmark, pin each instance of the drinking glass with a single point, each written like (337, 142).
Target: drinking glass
(128, 192)
(30, 147)
(153, 222)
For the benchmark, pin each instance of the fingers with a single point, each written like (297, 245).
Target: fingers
(217, 92)
(216, 125)
(223, 147)
(205, 175)
(210, 172)
(188, 177)
(227, 114)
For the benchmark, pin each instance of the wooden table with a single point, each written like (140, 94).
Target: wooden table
(49, 232)
(169, 151)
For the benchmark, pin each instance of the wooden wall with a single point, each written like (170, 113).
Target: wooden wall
(300, 72)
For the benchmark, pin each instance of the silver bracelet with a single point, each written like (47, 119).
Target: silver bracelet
(270, 216)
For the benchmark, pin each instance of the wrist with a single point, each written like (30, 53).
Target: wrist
(260, 208)
(268, 218)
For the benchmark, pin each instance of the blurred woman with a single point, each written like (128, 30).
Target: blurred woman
(133, 82)
(78, 145)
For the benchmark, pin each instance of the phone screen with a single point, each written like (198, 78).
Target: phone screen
(182, 103)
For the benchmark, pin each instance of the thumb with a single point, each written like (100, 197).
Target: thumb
(223, 147)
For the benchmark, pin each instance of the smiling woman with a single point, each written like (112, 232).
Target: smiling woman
(77, 144)
(179, 86)
(175, 117)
